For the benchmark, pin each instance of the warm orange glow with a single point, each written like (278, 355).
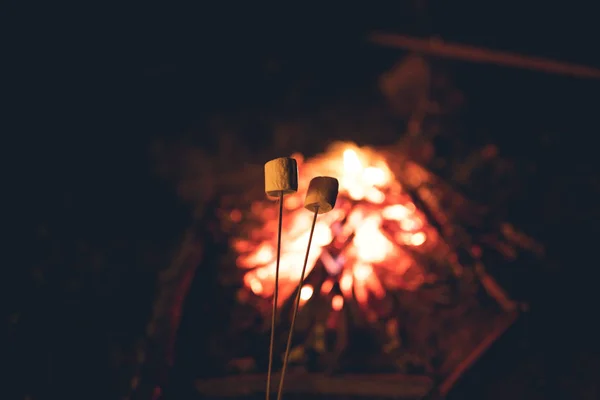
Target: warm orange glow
(373, 215)
(371, 244)
(337, 302)
(255, 285)
(418, 239)
(346, 284)
(397, 212)
(326, 287)
(306, 293)
(236, 215)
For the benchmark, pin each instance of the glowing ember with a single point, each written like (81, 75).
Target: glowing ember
(365, 243)
(306, 293)
(337, 302)
(326, 287)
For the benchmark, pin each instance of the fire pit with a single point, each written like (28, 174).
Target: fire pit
(397, 301)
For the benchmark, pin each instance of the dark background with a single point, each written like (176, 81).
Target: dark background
(90, 89)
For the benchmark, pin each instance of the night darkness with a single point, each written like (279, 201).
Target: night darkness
(92, 90)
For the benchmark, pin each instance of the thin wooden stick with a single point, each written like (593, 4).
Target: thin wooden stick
(296, 305)
(482, 55)
(275, 298)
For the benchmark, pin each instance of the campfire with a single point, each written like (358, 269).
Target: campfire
(395, 281)
(399, 297)
(367, 245)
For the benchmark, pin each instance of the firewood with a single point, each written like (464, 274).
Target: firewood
(438, 48)
(384, 385)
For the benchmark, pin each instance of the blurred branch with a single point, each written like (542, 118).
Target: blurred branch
(385, 385)
(501, 327)
(438, 48)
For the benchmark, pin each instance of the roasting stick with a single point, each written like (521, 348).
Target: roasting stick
(320, 199)
(281, 177)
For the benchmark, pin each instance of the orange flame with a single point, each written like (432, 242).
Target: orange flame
(372, 209)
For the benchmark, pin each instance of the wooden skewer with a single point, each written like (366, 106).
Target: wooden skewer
(296, 305)
(275, 298)
(281, 177)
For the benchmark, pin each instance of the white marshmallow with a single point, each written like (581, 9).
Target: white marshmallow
(322, 193)
(281, 176)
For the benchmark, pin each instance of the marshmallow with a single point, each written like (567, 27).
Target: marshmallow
(281, 176)
(322, 193)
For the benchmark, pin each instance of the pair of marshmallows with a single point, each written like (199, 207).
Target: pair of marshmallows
(281, 178)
